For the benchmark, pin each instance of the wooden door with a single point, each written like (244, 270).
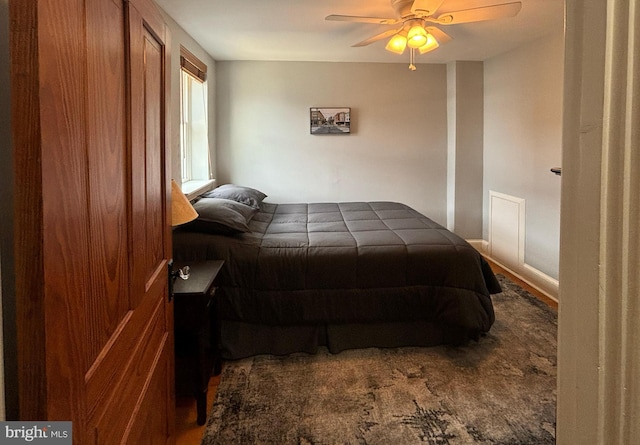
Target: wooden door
(150, 222)
(93, 320)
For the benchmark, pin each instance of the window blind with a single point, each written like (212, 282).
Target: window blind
(191, 64)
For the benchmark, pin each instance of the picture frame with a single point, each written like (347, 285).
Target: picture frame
(330, 120)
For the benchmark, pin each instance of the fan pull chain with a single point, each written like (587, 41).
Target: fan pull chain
(412, 67)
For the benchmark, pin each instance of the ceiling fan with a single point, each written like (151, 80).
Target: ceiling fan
(416, 20)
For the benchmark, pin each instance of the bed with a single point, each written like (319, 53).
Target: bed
(341, 275)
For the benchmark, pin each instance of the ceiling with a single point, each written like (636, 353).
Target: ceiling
(295, 30)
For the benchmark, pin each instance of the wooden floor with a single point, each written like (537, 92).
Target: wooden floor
(189, 433)
(532, 290)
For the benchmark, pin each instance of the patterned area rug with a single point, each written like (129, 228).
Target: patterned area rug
(500, 390)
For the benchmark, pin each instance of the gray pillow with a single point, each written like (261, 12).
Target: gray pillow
(221, 216)
(244, 195)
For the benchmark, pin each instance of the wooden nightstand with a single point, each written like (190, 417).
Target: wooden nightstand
(195, 331)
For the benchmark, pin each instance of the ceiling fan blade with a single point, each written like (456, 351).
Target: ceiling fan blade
(480, 14)
(441, 36)
(353, 18)
(382, 35)
(426, 7)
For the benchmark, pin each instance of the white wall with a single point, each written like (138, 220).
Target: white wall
(523, 139)
(397, 149)
(466, 126)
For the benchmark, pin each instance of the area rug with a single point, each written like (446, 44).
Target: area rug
(499, 390)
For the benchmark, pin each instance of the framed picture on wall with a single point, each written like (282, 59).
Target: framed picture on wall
(330, 120)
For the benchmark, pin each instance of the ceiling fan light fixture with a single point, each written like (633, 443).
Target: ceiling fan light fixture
(417, 36)
(430, 45)
(397, 44)
(416, 17)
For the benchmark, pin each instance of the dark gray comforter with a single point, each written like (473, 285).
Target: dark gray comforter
(352, 262)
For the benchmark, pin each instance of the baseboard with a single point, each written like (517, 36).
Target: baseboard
(543, 282)
(480, 245)
(540, 281)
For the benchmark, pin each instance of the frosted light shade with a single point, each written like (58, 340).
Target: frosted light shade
(416, 37)
(397, 44)
(430, 45)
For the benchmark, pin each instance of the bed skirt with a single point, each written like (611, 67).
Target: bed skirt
(239, 339)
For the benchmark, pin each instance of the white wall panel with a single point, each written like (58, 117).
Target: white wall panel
(506, 229)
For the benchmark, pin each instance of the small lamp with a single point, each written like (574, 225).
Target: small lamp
(181, 213)
(181, 209)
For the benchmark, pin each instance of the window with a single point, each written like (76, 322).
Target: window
(194, 141)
